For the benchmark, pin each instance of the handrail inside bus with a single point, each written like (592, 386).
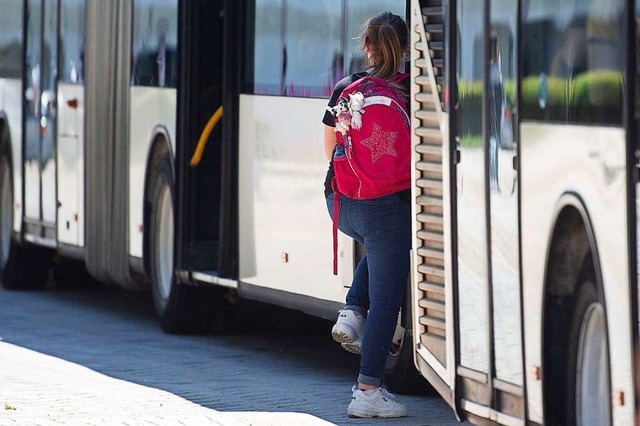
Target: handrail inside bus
(204, 137)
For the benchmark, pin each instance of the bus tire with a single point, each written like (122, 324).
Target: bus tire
(181, 308)
(21, 266)
(588, 368)
(401, 375)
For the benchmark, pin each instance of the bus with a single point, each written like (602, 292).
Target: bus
(176, 146)
(526, 158)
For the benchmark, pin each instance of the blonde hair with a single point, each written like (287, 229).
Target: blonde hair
(386, 36)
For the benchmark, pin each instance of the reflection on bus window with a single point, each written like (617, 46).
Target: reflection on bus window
(10, 39)
(301, 48)
(72, 19)
(312, 40)
(155, 29)
(268, 51)
(576, 49)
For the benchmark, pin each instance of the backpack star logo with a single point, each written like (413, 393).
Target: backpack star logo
(380, 143)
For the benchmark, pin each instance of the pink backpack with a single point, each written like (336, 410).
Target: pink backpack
(373, 152)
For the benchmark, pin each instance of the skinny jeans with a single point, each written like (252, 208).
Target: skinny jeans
(383, 226)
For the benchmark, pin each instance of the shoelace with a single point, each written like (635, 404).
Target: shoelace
(387, 394)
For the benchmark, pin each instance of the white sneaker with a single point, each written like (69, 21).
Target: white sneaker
(348, 330)
(374, 403)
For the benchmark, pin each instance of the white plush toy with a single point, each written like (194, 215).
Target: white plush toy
(356, 103)
(349, 113)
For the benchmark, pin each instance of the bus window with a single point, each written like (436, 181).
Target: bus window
(573, 68)
(267, 46)
(72, 19)
(301, 48)
(471, 203)
(155, 37)
(10, 39)
(312, 47)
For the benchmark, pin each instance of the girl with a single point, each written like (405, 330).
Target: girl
(383, 225)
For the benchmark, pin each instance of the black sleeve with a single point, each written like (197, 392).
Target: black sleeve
(340, 86)
(328, 117)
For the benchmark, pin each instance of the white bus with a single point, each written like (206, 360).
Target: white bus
(103, 104)
(525, 285)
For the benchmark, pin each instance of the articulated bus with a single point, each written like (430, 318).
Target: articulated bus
(177, 145)
(114, 154)
(524, 289)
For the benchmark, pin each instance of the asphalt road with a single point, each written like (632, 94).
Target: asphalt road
(279, 361)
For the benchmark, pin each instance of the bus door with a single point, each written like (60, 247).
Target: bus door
(202, 194)
(70, 125)
(489, 368)
(40, 201)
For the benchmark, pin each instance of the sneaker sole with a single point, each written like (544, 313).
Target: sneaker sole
(352, 347)
(355, 415)
(346, 341)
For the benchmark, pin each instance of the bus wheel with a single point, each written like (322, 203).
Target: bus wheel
(588, 381)
(401, 375)
(21, 267)
(181, 308)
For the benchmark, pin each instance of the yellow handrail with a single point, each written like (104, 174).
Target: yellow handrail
(204, 137)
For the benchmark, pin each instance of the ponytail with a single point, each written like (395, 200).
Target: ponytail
(386, 36)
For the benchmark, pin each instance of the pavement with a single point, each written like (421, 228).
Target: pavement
(38, 389)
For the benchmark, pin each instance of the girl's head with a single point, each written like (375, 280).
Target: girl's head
(385, 38)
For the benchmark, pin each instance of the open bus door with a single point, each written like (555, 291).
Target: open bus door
(432, 298)
(466, 301)
(205, 236)
(489, 367)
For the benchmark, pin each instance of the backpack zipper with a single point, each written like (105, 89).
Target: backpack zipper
(348, 155)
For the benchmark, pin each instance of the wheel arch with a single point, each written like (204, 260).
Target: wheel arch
(572, 247)
(160, 146)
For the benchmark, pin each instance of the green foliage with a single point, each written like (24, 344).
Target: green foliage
(592, 96)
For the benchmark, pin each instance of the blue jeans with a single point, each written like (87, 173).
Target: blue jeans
(383, 226)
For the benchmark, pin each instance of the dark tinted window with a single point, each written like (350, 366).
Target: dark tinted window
(155, 37)
(11, 39)
(302, 48)
(573, 61)
(72, 21)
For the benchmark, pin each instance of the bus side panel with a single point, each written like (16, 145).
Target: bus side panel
(590, 162)
(285, 228)
(152, 110)
(11, 107)
(70, 161)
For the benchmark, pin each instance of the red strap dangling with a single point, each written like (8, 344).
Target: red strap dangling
(336, 213)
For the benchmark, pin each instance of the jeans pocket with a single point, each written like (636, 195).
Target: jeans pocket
(329, 202)
(379, 214)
